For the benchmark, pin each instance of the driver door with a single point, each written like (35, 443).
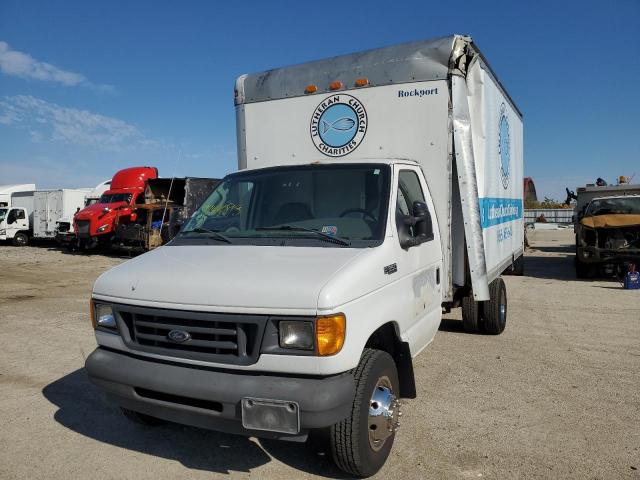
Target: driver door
(421, 263)
(16, 221)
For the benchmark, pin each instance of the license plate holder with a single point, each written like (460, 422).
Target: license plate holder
(271, 415)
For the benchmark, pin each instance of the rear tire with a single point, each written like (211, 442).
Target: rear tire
(21, 240)
(360, 444)
(141, 418)
(494, 310)
(470, 314)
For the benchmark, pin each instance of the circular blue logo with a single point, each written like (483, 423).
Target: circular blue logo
(504, 146)
(338, 125)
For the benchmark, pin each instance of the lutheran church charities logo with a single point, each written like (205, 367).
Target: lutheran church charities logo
(504, 146)
(338, 125)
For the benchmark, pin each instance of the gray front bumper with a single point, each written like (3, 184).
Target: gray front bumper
(323, 401)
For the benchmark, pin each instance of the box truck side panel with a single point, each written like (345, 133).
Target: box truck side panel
(497, 130)
(404, 121)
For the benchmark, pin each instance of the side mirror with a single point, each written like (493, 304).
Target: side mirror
(423, 227)
(420, 220)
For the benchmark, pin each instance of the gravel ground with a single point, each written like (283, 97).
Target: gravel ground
(555, 396)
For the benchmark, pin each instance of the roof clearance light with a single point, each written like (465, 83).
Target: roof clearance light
(310, 89)
(362, 82)
(337, 85)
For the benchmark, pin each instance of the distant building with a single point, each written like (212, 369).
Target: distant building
(529, 190)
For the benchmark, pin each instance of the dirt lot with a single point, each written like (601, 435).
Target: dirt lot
(556, 396)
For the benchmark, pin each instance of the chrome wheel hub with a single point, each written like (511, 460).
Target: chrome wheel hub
(384, 414)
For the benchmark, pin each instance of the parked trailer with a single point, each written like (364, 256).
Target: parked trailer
(374, 191)
(53, 207)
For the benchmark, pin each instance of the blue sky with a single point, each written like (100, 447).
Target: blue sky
(87, 87)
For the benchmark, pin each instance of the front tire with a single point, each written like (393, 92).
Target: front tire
(494, 310)
(21, 240)
(360, 444)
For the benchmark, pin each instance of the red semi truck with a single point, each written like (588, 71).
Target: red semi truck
(95, 224)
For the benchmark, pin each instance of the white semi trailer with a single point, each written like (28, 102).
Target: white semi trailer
(374, 191)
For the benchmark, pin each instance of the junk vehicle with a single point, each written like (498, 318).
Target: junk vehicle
(607, 228)
(16, 220)
(51, 208)
(65, 231)
(375, 190)
(168, 202)
(94, 225)
(6, 191)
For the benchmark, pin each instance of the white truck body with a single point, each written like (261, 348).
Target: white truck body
(54, 206)
(6, 192)
(426, 151)
(93, 196)
(18, 217)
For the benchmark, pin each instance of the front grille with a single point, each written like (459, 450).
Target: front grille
(83, 228)
(222, 338)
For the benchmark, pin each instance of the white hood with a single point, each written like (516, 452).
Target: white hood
(227, 276)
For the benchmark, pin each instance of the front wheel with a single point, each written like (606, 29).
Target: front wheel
(360, 444)
(21, 240)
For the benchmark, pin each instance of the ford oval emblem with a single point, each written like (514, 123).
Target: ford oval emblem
(178, 336)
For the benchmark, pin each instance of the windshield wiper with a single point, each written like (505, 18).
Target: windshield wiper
(210, 233)
(298, 228)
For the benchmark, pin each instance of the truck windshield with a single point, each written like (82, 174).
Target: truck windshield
(607, 206)
(298, 205)
(115, 197)
(3, 213)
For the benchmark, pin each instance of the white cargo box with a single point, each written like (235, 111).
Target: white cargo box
(435, 102)
(51, 206)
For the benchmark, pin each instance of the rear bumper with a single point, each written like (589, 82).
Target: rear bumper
(127, 380)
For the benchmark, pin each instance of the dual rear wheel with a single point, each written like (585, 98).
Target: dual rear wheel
(489, 316)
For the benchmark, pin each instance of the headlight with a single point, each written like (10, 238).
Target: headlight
(102, 316)
(102, 228)
(296, 334)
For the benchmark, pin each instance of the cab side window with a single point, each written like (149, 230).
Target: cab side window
(20, 215)
(409, 191)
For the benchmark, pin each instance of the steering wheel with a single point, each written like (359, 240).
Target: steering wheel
(358, 210)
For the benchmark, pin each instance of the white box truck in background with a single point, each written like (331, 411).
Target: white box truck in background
(7, 190)
(375, 191)
(51, 207)
(16, 220)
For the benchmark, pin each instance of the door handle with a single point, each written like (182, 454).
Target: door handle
(438, 276)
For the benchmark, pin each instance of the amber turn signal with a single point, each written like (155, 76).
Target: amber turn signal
(310, 89)
(330, 333)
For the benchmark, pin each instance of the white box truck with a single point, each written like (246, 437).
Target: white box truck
(374, 191)
(55, 207)
(16, 220)
(6, 191)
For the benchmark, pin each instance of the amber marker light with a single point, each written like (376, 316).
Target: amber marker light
(310, 89)
(330, 333)
(362, 82)
(92, 313)
(337, 85)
